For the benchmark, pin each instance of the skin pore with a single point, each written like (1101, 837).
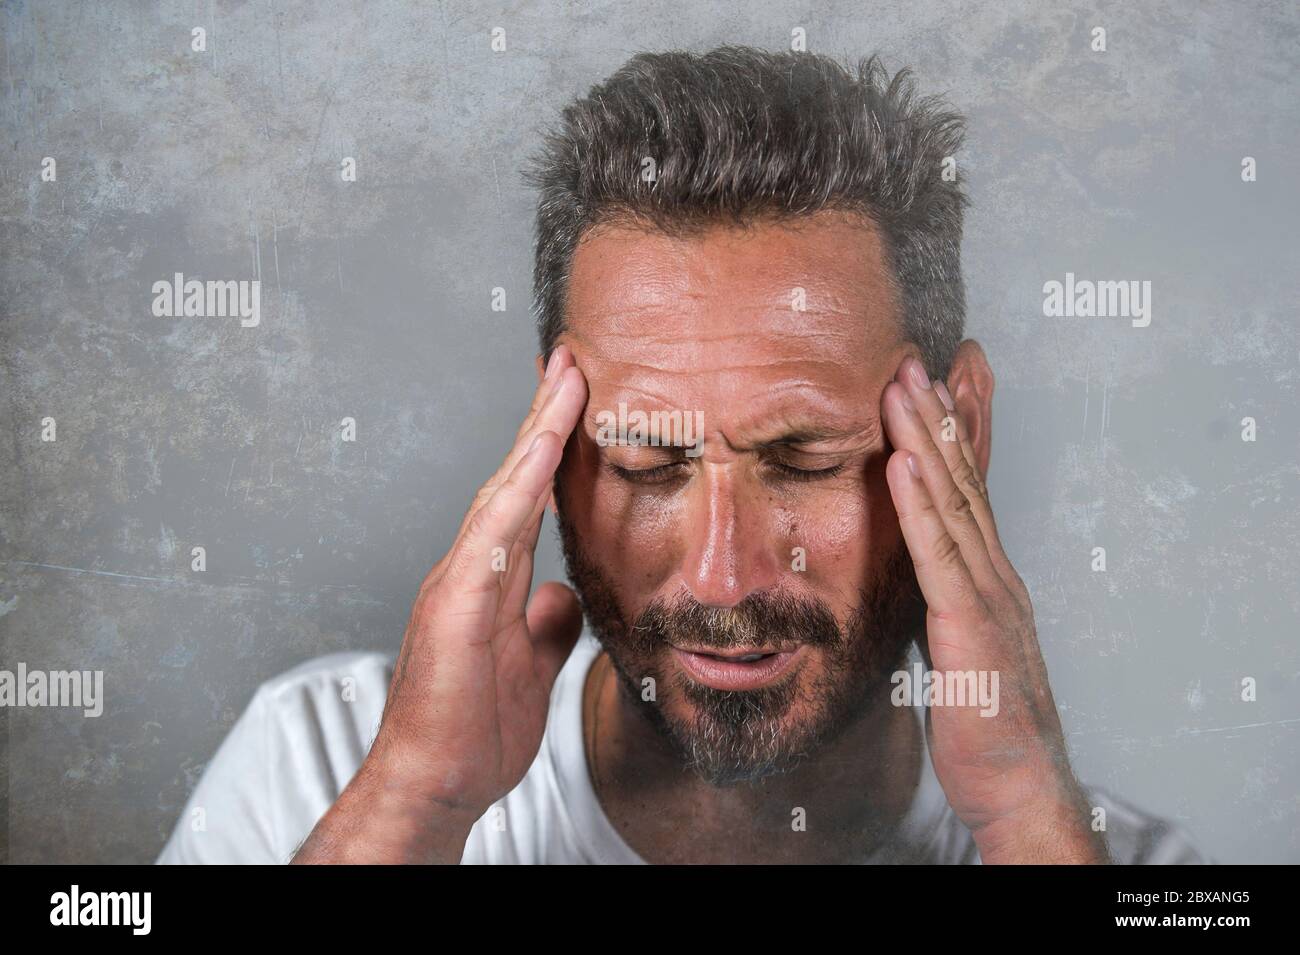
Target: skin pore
(664, 547)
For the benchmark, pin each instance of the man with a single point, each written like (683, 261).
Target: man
(757, 254)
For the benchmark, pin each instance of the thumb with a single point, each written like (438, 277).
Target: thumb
(554, 624)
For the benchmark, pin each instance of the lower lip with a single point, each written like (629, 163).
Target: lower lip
(731, 675)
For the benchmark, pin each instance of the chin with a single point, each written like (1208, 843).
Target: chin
(731, 737)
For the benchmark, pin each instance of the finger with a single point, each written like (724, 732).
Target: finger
(907, 430)
(941, 421)
(561, 358)
(946, 430)
(963, 433)
(533, 529)
(950, 436)
(519, 573)
(946, 584)
(545, 414)
(473, 566)
(558, 413)
(971, 480)
(554, 625)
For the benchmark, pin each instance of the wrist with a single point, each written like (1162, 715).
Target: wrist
(381, 818)
(1055, 829)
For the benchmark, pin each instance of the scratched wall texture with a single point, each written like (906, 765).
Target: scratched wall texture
(174, 433)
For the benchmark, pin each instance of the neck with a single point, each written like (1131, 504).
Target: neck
(849, 794)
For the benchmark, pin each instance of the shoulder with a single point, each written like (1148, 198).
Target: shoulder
(326, 707)
(319, 720)
(296, 745)
(1138, 837)
(360, 678)
(324, 672)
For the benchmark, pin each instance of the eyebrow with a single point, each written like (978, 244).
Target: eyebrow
(813, 434)
(800, 435)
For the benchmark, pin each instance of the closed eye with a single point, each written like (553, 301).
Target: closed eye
(664, 473)
(804, 474)
(656, 475)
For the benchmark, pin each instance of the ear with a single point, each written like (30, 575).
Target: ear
(970, 382)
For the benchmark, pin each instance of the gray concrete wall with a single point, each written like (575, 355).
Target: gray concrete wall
(176, 433)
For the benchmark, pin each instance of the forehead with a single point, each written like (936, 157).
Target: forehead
(731, 315)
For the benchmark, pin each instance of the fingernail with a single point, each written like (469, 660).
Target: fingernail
(942, 391)
(550, 365)
(533, 447)
(911, 466)
(918, 375)
(557, 385)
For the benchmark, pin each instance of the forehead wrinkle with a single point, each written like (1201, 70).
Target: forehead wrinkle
(799, 435)
(796, 429)
(763, 419)
(615, 375)
(852, 314)
(726, 355)
(730, 395)
(708, 328)
(657, 402)
(816, 417)
(626, 270)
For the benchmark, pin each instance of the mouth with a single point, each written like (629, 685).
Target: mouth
(743, 668)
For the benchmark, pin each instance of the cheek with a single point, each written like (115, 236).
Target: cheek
(633, 538)
(847, 532)
(639, 535)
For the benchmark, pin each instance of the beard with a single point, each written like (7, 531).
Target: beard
(743, 736)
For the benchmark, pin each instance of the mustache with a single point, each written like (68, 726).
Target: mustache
(760, 619)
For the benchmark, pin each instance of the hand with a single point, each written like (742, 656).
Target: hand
(1007, 776)
(470, 692)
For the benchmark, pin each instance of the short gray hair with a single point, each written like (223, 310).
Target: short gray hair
(740, 134)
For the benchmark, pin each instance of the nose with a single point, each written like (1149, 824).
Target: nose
(729, 553)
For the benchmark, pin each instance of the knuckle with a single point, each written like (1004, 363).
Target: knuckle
(469, 548)
(957, 502)
(1003, 608)
(967, 480)
(925, 505)
(1013, 580)
(947, 553)
(485, 493)
(479, 522)
(458, 562)
(1026, 604)
(430, 582)
(481, 498)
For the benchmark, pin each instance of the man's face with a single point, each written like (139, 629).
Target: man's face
(776, 534)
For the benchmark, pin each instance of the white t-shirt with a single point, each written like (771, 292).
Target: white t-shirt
(306, 732)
